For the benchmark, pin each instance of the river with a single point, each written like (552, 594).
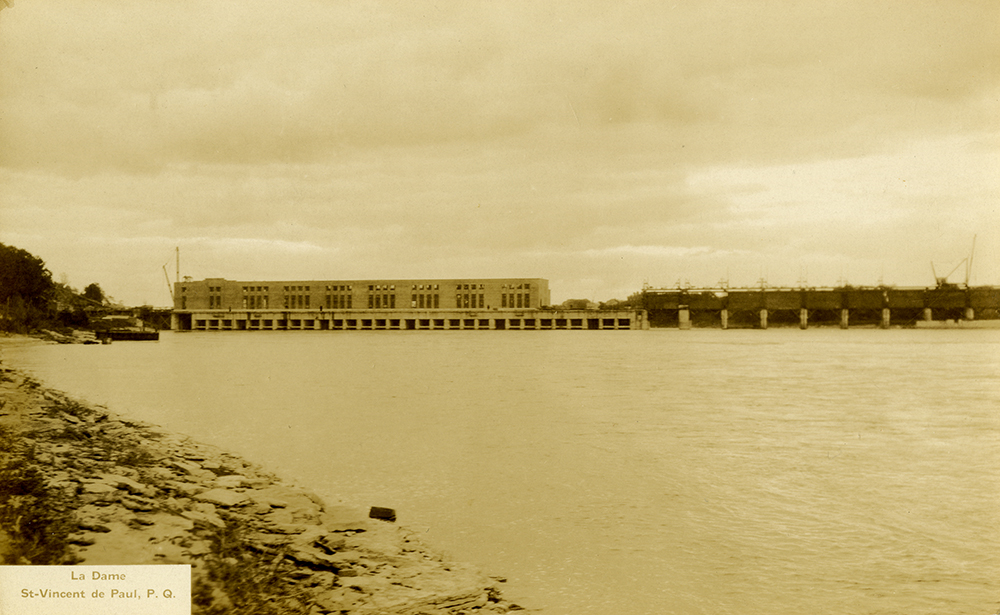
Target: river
(618, 472)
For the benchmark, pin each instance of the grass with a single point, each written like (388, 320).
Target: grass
(251, 583)
(37, 518)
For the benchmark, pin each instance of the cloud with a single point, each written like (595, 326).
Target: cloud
(375, 138)
(137, 86)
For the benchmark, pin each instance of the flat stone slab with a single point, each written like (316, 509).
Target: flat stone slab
(222, 497)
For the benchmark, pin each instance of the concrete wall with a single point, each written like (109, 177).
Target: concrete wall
(324, 320)
(218, 293)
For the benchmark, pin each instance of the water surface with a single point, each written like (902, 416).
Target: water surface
(695, 472)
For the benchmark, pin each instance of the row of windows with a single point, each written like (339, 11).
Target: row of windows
(425, 301)
(371, 287)
(293, 301)
(379, 301)
(508, 300)
(339, 302)
(470, 301)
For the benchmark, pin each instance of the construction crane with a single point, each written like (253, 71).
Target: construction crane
(942, 282)
(170, 287)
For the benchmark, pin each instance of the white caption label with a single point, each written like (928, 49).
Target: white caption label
(95, 590)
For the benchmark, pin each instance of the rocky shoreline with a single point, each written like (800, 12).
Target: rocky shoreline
(79, 484)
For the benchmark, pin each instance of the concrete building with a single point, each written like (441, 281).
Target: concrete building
(494, 303)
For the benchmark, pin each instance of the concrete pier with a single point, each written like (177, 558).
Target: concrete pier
(408, 320)
(684, 318)
(764, 307)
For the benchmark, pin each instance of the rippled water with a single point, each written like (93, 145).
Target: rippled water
(695, 472)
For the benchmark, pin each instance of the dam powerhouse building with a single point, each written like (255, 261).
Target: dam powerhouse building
(217, 304)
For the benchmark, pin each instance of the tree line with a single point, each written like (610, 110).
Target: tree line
(30, 299)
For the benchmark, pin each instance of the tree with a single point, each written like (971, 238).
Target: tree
(94, 293)
(26, 288)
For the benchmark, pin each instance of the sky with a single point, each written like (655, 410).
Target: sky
(600, 145)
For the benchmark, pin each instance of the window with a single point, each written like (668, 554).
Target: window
(371, 300)
(371, 287)
(437, 302)
(503, 300)
(392, 301)
(482, 300)
(421, 301)
(435, 287)
(307, 300)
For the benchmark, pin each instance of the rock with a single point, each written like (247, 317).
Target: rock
(185, 488)
(186, 466)
(331, 544)
(138, 504)
(132, 486)
(344, 519)
(231, 481)
(200, 517)
(385, 514)
(222, 497)
(92, 526)
(83, 541)
(98, 487)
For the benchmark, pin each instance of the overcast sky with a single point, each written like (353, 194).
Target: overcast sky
(600, 145)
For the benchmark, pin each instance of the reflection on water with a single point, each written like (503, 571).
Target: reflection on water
(697, 472)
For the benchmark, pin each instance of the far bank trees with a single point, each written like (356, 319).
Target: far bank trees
(26, 290)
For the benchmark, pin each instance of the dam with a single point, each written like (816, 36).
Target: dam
(217, 304)
(844, 307)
